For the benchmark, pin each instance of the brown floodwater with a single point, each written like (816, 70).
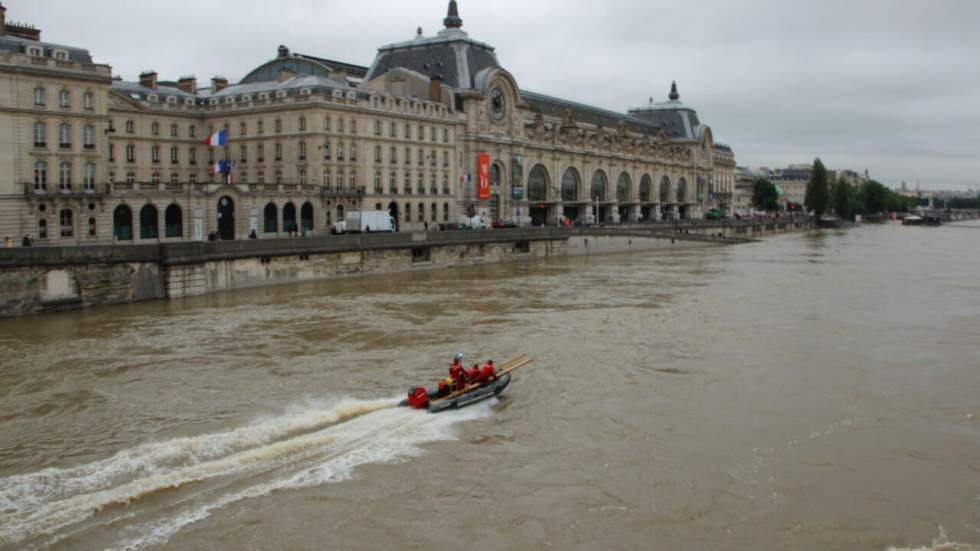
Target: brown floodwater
(817, 391)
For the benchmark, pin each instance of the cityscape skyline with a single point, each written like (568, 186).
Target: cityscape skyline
(892, 101)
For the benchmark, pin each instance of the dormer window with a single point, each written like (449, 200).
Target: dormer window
(61, 55)
(35, 52)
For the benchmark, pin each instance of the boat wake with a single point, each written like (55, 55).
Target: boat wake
(148, 493)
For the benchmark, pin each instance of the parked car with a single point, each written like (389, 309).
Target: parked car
(504, 224)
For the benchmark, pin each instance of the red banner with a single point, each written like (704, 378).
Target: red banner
(483, 177)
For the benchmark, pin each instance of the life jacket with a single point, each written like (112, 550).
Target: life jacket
(473, 375)
(487, 373)
(418, 398)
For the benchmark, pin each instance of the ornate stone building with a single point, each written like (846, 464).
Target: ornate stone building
(311, 138)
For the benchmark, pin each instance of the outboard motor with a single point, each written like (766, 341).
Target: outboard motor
(418, 397)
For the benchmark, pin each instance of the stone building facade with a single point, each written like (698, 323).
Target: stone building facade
(311, 139)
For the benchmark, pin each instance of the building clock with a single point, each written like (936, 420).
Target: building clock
(498, 104)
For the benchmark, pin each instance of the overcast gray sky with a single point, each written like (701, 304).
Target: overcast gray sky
(892, 86)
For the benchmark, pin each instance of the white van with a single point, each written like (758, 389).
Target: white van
(474, 223)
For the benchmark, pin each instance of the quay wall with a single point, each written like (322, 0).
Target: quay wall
(46, 279)
(49, 279)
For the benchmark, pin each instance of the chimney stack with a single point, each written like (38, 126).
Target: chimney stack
(188, 84)
(218, 84)
(148, 79)
(435, 88)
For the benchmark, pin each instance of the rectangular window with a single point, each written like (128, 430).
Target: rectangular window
(260, 153)
(243, 154)
(377, 153)
(421, 157)
(130, 127)
(408, 155)
(130, 153)
(155, 154)
(173, 131)
(377, 128)
(393, 154)
(421, 133)
(174, 156)
(243, 129)
(445, 135)
(302, 151)
(112, 153)
(393, 130)
(353, 152)
(393, 184)
(340, 151)
(278, 151)
(445, 158)
(432, 134)
(193, 131)
(261, 127)
(326, 151)
(192, 156)
(88, 101)
(408, 131)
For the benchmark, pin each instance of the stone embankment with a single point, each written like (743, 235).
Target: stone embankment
(46, 279)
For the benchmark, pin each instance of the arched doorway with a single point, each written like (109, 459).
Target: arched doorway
(173, 221)
(599, 186)
(537, 195)
(226, 218)
(393, 211)
(665, 201)
(271, 224)
(122, 223)
(682, 199)
(645, 197)
(149, 222)
(306, 216)
(570, 183)
(624, 194)
(289, 218)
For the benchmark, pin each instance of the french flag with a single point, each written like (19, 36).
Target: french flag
(218, 138)
(223, 167)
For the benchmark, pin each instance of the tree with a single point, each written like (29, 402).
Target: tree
(846, 202)
(765, 196)
(817, 189)
(875, 197)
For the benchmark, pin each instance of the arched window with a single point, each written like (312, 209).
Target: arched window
(599, 185)
(271, 217)
(289, 218)
(64, 176)
(40, 176)
(306, 216)
(645, 185)
(569, 185)
(623, 188)
(495, 175)
(89, 177)
(122, 223)
(682, 191)
(67, 219)
(665, 190)
(173, 221)
(40, 134)
(537, 184)
(149, 222)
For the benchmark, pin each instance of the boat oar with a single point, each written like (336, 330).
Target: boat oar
(508, 367)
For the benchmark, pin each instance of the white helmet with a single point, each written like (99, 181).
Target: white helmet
(460, 356)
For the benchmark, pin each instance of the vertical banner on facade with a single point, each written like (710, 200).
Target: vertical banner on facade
(483, 176)
(517, 179)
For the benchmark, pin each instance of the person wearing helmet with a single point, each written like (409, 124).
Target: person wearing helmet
(458, 373)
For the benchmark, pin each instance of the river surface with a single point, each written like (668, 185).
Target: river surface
(809, 392)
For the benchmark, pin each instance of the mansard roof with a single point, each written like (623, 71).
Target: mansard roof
(18, 45)
(452, 55)
(677, 124)
(301, 64)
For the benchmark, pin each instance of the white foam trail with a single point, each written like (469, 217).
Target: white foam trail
(31, 491)
(941, 543)
(319, 443)
(395, 446)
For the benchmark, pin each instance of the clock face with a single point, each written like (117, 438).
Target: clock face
(498, 104)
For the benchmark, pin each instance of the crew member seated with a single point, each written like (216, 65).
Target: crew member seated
(488, 373)
(473, 375)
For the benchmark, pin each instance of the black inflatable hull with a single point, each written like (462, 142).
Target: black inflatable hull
(473, 397)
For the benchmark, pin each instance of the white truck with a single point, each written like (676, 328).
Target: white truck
(372, 221)
(473, 223)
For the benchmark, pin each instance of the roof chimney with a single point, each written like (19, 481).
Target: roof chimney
(148, 79)
(435, 88)
(218, 84)
(188, 84)
(452, 20)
